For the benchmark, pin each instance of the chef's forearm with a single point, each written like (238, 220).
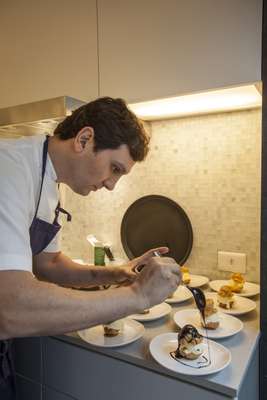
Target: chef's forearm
(62, 270)
(39, 308)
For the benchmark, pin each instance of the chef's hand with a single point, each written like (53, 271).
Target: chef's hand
(127, 274)
(157, 280)
(138, 262)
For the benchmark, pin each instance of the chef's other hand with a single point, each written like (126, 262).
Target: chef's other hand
(157, 280)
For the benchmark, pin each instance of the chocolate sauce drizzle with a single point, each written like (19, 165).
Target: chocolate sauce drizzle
(200, 301)
(206, 362)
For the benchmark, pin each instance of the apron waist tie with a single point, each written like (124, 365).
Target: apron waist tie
(60, 209)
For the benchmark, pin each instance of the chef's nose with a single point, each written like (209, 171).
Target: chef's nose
(110, 183)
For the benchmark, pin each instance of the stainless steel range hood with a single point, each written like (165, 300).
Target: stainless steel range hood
(36, 118)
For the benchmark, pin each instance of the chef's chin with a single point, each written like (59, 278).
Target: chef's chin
(82, 191)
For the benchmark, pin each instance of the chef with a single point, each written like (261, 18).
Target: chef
(90, 150)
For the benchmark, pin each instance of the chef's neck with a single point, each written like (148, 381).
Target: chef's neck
(60, 153)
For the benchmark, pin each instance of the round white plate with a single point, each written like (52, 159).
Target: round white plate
(181, 294)
(250, 289)
(229, 325)
(161, 346)
(156, 312)
(198, 280)
(132, 331)
(79, 261)
(241, 305)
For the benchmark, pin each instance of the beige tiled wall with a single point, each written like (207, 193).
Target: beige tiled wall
(210, 165)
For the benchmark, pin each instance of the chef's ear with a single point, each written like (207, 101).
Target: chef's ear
(83, 138)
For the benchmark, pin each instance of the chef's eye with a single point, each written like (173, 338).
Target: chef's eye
(116, 170)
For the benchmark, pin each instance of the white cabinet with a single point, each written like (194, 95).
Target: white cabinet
(158, 48)
(48, 49)
(147, 48)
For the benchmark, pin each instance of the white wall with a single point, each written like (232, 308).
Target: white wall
(209, 165)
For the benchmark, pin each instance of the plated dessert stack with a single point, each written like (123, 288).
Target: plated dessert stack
(212, 319)
(189, 343)
(113, 328)
(237, 282)
(185, 275)
(145, 311)
(226, 297)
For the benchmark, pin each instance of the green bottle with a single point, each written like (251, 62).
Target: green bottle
(99, 254)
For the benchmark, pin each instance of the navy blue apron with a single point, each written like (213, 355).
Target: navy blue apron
(41, 234)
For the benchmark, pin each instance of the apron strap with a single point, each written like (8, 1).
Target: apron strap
(58, 210)
(45, 151)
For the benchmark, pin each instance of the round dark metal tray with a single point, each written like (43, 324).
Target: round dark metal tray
(154, 221)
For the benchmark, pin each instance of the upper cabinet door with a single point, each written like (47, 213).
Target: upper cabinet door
(48, 49)
(151, 49)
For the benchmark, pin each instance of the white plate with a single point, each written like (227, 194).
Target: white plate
(156, 312)
(250, 289)
(241, 305)
(181, 294)
(132, 331)
(198, 280)
(79, 261)
(161, 346)
(229, 325)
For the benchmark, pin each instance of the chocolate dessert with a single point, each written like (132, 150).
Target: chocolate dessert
(189, 341)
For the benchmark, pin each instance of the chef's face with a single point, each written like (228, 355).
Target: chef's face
(95, 170)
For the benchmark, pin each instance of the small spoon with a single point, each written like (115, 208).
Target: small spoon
(200, 299)
(198, 294)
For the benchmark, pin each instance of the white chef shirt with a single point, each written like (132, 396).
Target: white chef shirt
(20, 180)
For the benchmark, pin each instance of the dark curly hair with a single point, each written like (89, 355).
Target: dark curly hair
(113, 123)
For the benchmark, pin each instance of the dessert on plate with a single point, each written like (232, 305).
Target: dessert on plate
(113, 328)
(185, 275)
(145, 311)
(189, 343)
(225, 297)
(212, 319)
(237, 282)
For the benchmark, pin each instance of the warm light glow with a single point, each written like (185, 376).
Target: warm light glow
(237, 98)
